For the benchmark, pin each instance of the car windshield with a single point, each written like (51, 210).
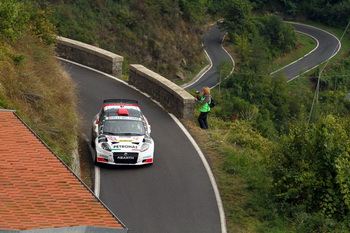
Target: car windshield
(123, 127)
(114, 112)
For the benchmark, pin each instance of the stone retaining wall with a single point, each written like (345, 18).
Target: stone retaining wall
(172, 97)
(91, 56)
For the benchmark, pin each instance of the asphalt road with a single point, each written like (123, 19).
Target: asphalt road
(327, 46)
(174, 194)
(212, 41)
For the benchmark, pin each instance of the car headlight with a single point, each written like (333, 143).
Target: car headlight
(145, 147)
(106, 146)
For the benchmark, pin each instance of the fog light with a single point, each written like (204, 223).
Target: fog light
(101, 160)
(148, 160)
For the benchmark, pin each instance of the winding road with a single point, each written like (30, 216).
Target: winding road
(177, 193)
(216, 54)
(327, 46)
(173, 195)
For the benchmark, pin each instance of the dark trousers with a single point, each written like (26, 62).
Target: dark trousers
(202, 120)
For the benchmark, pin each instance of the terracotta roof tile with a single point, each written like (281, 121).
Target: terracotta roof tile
(37, 190)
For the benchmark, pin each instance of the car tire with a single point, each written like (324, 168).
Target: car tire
(92, 139)
(95, 159)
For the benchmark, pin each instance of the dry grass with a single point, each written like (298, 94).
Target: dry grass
(33, 83)
(234, 189)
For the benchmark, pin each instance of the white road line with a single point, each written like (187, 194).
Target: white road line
(200, 153)
(335, 51)
(97, 181)
(210, 66)
(197, 79)
(210, 174)
(233, 62)
(317, 44)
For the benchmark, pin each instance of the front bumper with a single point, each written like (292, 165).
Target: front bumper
(107, 161)
(124, 157)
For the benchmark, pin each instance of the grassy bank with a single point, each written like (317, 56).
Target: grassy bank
(33, 83)
(304, 46)
(237, 154)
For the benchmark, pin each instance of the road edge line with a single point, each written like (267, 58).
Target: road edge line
(209, 172)
(97, 182)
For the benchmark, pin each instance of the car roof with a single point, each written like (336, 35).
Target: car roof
(121, 101)
(121, 111)
(117, 103)
(131, 105)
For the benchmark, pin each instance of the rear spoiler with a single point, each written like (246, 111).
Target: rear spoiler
(120, 101)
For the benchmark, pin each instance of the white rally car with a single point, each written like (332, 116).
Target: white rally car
(121, 134)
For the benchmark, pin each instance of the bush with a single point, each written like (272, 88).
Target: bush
(14, 19)
(280, 37)
(312, 168)
(19, 18)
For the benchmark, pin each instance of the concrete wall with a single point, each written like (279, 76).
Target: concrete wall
(91, 56)
(172, 97)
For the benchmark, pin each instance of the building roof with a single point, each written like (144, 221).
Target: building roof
(38, 191)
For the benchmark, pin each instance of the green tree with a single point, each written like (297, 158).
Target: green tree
(334, 102)
(336, 77)
(215, 7)
(14, 19)
(243, 48)
(224, 69)
(280, 37)
(237, 16)
(18, 19)
(258, 55)
(265, 125)
(269, 95)
(280, 100)
(193, 10)
(311, 167)
(330, 12)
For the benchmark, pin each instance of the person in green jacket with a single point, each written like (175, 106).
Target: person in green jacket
(203, 101)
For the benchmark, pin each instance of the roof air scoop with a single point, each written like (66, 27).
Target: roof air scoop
(123, 112)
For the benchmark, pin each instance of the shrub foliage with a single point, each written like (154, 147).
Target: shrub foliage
(311, 167)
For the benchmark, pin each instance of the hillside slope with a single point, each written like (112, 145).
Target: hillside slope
(153, 33)
(31, 79)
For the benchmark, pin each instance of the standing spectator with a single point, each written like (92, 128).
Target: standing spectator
(203, 101)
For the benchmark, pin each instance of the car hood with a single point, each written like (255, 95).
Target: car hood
(124, 139)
